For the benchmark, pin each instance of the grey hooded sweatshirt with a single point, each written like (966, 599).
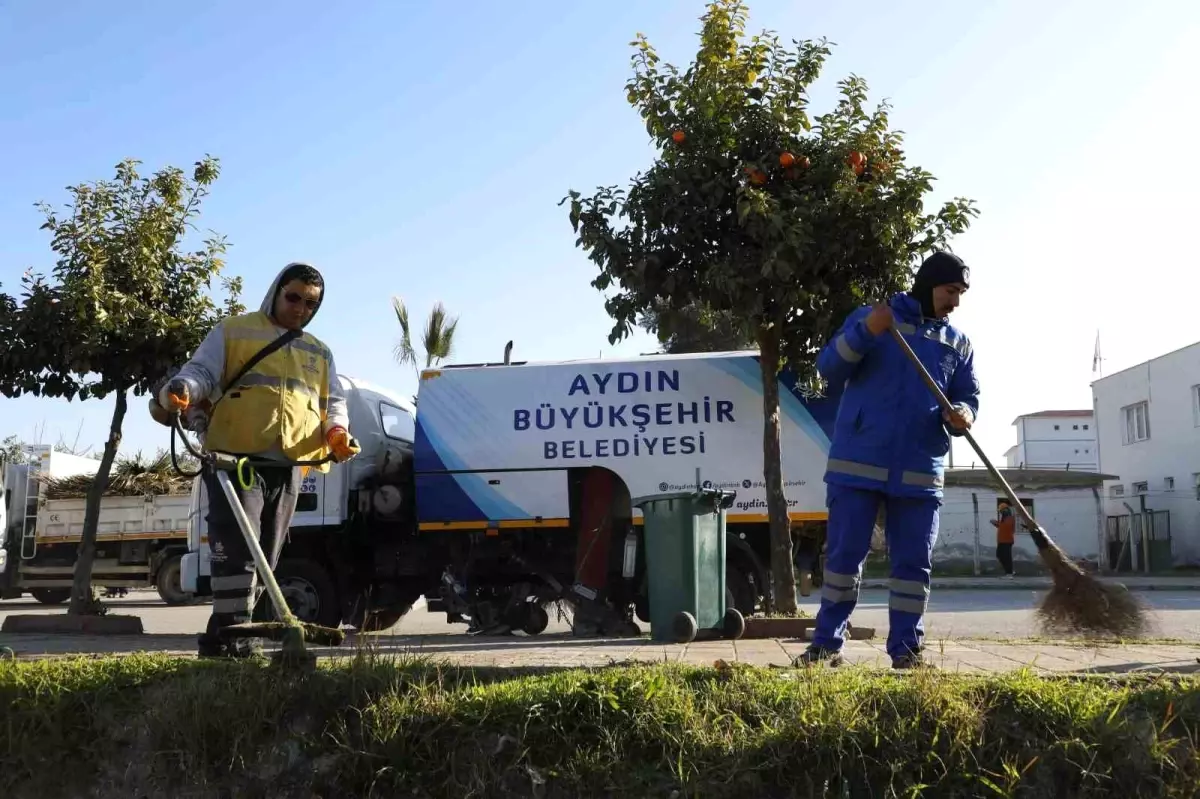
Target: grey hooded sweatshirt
(204, 371)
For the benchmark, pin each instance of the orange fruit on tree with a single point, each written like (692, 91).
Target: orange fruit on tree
(786, 159)
(856, 158)
(678, 136)
(804, 162)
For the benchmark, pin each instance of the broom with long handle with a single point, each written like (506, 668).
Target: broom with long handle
(1077, 602)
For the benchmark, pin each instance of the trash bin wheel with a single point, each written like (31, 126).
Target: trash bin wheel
(536, 619)
(733, 625)
(684, 628)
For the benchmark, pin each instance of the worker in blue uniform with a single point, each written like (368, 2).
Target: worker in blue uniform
(888, 450)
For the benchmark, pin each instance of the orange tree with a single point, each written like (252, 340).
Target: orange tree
(124, 304)
(753, 208)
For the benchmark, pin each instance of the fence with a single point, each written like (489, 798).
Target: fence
(1139, 542)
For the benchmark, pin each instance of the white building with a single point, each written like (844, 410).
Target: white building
(1069, 505)
(1055, 440)
(1148, 425)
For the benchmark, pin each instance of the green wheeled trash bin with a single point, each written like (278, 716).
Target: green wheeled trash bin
(684, 542)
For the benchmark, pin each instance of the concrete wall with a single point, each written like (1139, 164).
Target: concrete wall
(1168, 462)
(1070, 516)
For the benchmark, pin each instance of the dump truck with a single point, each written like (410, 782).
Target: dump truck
(140, 540)
(508, 486)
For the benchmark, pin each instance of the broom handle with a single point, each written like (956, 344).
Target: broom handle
(1035, 530)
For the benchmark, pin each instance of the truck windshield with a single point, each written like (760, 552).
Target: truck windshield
(397, 423)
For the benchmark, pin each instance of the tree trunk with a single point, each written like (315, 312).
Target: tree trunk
(81, 591)
(783, 577)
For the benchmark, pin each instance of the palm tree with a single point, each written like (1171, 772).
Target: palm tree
(437, 340)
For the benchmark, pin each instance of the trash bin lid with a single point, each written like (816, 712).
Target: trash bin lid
(723, 497)
(637, 502)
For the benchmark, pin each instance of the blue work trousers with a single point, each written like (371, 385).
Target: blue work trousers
(911, 525)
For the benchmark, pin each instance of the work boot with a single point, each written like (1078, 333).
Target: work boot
(911, 660)
(246, 648)
(818, 654)
(209, 646)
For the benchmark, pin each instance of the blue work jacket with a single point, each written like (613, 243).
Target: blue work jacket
(889, 434)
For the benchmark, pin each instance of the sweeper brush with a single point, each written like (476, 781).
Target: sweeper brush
(1078, 603)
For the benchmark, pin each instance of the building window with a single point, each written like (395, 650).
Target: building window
(1169, 483)
(1137, 422)
(1141, 488)
(1119, 490)
(1055, 427)
(1085, 427)
(1074, 427)
(1196, 405)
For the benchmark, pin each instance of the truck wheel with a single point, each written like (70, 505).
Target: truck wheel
(378, 621)
(309, 591)
(51, 596)
(170, 589)
(536, 619)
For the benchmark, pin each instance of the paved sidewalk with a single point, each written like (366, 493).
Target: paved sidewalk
(966, 656)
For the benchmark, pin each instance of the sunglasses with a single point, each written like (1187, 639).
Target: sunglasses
(296, 299)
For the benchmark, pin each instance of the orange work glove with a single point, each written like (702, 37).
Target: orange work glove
(175, 397)
(343, 446)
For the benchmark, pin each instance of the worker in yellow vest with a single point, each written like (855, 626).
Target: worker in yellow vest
(287, 407)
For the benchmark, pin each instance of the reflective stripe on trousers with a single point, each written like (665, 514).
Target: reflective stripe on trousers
(232, 594)
(839, 587)
(908, 596)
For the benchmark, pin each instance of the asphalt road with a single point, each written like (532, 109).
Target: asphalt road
(953, 614)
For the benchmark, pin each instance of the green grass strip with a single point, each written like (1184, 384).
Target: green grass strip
(152, 726)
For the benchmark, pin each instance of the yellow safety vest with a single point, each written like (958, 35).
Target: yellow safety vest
(282, 401)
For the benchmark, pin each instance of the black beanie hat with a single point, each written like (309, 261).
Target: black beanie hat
(938, 269)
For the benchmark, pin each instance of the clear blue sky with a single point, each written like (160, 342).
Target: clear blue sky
(421, 149)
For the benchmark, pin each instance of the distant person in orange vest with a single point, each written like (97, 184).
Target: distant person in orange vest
(1005, 526)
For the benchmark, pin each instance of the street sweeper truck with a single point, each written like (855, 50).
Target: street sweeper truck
(510, 486)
